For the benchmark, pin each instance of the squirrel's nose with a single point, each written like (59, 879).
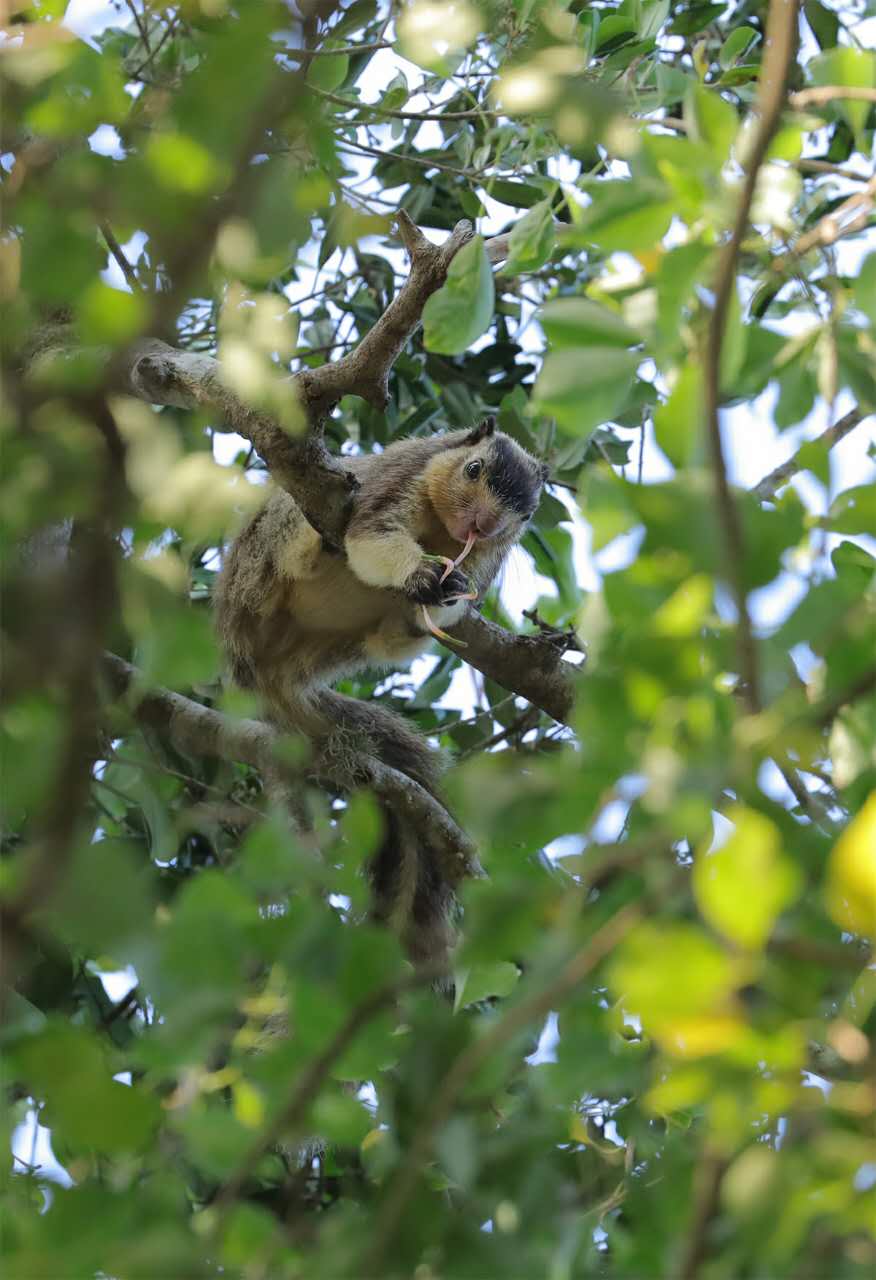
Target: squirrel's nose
(486, 524)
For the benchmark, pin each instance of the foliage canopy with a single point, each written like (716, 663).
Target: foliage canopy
(681, 881)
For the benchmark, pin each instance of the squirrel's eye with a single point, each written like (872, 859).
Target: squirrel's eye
(473, 469)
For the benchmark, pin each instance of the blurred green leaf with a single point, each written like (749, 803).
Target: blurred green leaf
(583, 387)
(575, 322)
(532, 239)
(849, 68)
(328, 74)
(742, 886)
(460, 311)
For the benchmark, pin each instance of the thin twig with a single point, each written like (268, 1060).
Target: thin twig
(766, 488)
(375, 107)
(119, 254)
(780, 46)
(350, 50)
(851, 216)
(824, 95)
(413, 159)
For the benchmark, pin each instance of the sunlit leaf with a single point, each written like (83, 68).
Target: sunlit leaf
(578, 322)
(460, 311)
(851, 874)
(584, 387)
(532, 239)
(742, 886)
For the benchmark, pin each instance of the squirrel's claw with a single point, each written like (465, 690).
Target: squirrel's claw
(453, 564)
(438, 633)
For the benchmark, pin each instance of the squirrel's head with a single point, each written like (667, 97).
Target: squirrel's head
(484, 483)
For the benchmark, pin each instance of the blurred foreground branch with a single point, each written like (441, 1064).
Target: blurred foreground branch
(781, 44)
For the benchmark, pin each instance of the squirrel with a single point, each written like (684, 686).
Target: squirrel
(293, 615)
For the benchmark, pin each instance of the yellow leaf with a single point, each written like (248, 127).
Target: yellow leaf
(698, 1037)
(578, 1129)
(248, 1106)
(669, 974)
(742, 887)
(680, 1088)
(372, 1139)
(851, 873)
(684, 612)
(650, 258)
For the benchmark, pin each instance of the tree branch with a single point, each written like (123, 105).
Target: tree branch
(851, 216)
(706, 1190)
(531, 666)
(766, 488)
(199, 730)
(824, 95)
(781, 38)
(302, 465)
(365, 371)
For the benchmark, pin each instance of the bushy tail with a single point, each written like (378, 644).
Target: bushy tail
(410, 892)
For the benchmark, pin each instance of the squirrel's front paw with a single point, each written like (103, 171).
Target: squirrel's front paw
(425, 584)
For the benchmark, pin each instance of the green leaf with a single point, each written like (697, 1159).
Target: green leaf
(652, 16)
(457, 1145)
(571, 322)
(742, 887)
(864, 288)
(614, 30)
(396, 93)
(532, 239)
(520, 195)
(462, 309)
(485, 980)
(853, 511)
(697, 16)
(584, 387)
(109, 315)
(850, 68)
(712, 120)
(669, 972)
(91, 1111)
(328, 73)
(107, 896)
(823, 22)
(623, 217)
(680, 423)
(737, 45)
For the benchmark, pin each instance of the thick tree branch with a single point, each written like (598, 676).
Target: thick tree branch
(365, 371)
(199, 730)
(532, 666)
(301, 465)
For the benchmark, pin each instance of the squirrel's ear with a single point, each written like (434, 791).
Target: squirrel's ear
(486, 429)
